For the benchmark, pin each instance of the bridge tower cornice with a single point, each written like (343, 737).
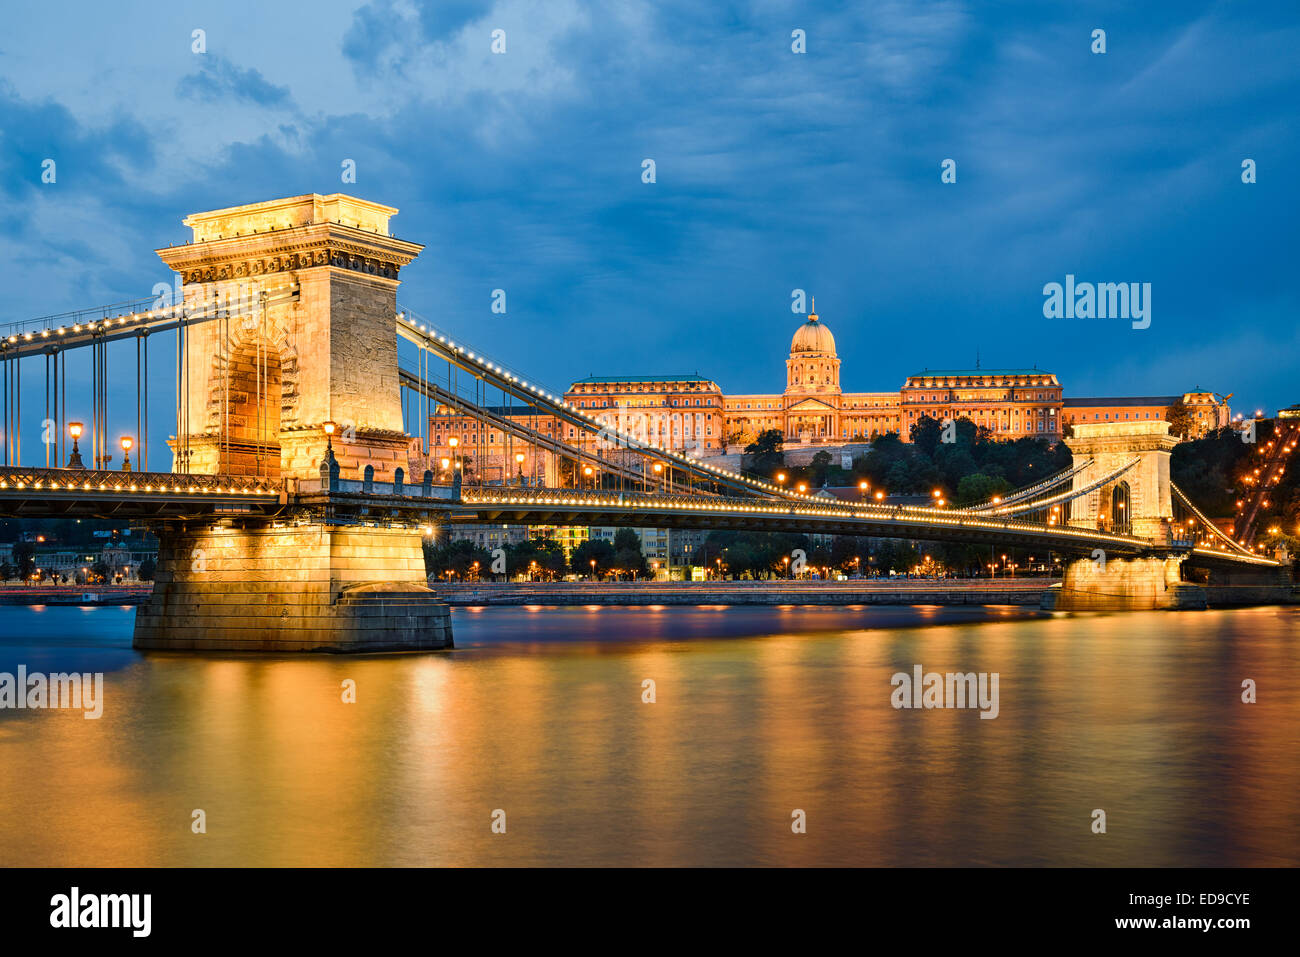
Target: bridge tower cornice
(260, 387)
(302, 232)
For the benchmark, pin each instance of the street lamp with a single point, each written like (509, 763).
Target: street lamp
(74, 460)
(329, 428)
(127, 442)
(519, 462)
(453, 442)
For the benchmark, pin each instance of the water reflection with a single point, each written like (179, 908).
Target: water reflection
(759, 711)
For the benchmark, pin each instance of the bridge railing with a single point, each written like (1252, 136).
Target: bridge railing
(100, 480)
(321, 486)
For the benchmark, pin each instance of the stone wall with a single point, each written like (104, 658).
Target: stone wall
(1124, 584)
(299, 588)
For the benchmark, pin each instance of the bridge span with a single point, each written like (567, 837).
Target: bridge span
(302, 476)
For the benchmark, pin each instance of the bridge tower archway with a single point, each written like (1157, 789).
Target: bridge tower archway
(1138, 502)
(252, 399)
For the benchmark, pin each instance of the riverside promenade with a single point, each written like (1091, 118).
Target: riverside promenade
(911, 591)
(127, 593)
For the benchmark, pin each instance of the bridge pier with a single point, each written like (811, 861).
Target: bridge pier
(1124, 584)
(291, 588)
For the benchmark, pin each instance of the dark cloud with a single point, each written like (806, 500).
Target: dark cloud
(779, 171)
(218, 79)
(379, 30)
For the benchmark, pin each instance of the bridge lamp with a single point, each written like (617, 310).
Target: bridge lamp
(446, 464)
(74, 460)
(780, 477)
(453, 442)
(329, 428)
(127, 442)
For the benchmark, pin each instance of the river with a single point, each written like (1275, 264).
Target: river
(758, 713)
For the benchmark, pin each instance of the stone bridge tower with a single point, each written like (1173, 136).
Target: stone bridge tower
(306, 293)
(1140, 502)
(305, 289)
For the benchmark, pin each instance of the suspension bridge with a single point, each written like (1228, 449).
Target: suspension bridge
(304, 470)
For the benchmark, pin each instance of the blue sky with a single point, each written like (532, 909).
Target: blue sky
(775, 171)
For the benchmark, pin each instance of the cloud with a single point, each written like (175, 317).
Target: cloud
(775, 170)
(218, 79)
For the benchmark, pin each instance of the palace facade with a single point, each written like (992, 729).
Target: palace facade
(692, 414)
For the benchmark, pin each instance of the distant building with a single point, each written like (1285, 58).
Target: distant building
(691, 413)
(1207, 410)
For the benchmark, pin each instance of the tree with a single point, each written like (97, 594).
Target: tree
(765, 455)
(1179, 417)
(593, 550)
(459, 556)
(146, 570)
(821, 463)
(627, 553)
(845, 553)
(926, 433)
(550, 557)
(978, 487)
(7, 571)
(25, 556)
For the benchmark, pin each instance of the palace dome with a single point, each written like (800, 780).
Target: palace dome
(813, 336)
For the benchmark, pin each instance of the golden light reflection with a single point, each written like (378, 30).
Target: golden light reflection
(1124, 712)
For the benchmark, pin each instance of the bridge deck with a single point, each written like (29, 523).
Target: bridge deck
(162, 496)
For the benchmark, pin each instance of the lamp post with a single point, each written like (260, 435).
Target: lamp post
(453, 443)
(74, 460)
(329, 428)
(519, 463)
(127, 442)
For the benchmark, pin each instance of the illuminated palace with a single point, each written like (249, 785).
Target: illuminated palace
(691, 413)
